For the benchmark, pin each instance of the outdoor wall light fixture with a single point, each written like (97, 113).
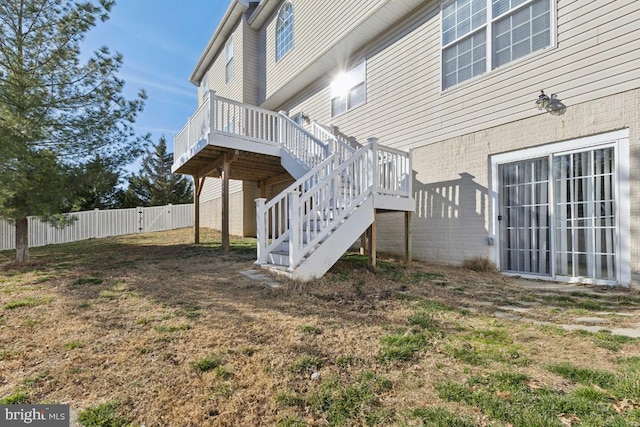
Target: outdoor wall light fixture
(545, 102)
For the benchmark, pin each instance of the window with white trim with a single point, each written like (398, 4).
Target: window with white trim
(481, 35)
(348, 89)
(205, 86)
(228, 56)
(562, 210)
(284, 30)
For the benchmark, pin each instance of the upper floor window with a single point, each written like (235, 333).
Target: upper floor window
(480, 35)
(228, 56)
(205, 86)
(348, 89)
(284, 30)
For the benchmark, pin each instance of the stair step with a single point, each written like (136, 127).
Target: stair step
(279, 258)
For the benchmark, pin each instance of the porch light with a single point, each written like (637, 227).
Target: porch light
(545, 102)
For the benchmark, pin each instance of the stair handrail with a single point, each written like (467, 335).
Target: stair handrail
(273, 222)
(330, 201)
(338, 145)
(302, 144)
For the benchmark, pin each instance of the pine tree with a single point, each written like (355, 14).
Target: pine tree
(155, 185)
(95, 186)
(57, 114)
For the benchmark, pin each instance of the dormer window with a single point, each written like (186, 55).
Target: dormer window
(284, 30)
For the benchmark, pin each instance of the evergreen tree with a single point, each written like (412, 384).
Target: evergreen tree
(95, 186)
(57, 114)
(155, 185)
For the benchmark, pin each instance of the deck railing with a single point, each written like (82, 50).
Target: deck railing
(338, 146)
(393, 170)
(302, 144)
(273, 217)
(308, 210)
(222, 116)
(339, 179)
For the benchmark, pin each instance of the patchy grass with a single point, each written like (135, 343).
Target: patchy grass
(514, 398)
(481, 265)
(402, 346)
(19, 397)
(207, 364)
(305, 365)
(440, 417)
(342, 404)
(27, 302)
(123, 328)
(104, 415)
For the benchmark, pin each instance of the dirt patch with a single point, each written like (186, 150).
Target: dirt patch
(128, 319)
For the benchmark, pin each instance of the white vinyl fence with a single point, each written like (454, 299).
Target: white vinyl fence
(97, 223)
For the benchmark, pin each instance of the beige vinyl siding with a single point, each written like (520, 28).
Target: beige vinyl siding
(250, 64)
(216, 72)
(594, 68)
(597, 54)
(316, 27)
(451, 186)
(211, 206)
(213, 188)
(211, 214)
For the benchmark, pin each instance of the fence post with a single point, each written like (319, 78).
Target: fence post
(261, 232)
(140, 219)
(294, 228)
(96, 223)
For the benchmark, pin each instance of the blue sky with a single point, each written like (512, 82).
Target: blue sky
(161, 41)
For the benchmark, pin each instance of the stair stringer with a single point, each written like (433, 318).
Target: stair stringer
(329, 251)
(292, 164)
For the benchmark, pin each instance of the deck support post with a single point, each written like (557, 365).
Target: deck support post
(198, 183)
(371, 244)
(226, 167)
(408, 237)
(261, 231)
(263, 189)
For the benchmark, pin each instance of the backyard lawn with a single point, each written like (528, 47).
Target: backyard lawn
(152, 330)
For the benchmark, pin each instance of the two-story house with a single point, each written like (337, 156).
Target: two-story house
(505, 129)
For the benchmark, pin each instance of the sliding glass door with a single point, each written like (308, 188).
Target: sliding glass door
(585, 212)
(525, 233)
(557, 215)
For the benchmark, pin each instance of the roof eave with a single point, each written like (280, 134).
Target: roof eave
(234, 11)
(263, 12)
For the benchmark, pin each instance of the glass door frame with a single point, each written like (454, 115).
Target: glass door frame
(617, 139)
